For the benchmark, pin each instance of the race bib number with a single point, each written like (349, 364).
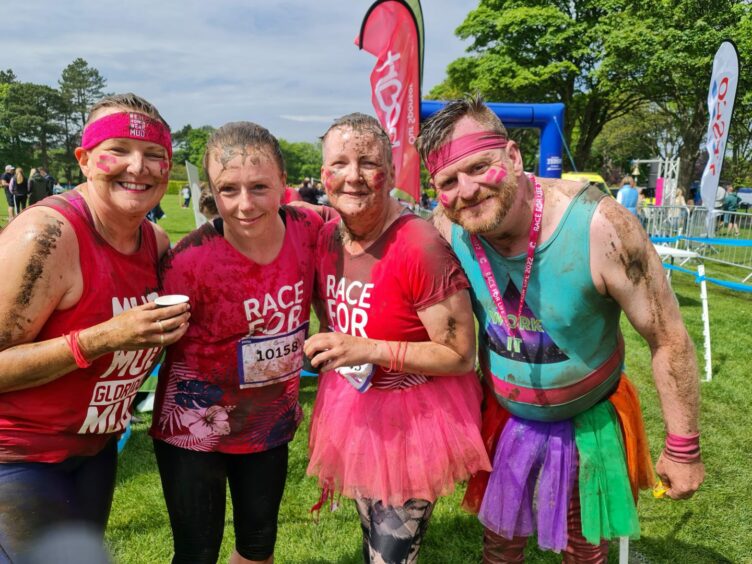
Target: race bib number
(271, 359)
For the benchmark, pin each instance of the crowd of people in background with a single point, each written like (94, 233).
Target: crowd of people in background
(22, 190)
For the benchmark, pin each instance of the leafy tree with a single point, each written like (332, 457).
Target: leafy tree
(580, 52)
(7, 76)
(32, 113)
(604, 59)
(189, 144)
(301, 160)
(644, 133)
(80, 86)
(678, 73)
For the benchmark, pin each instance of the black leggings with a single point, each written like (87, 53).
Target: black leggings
(194, 485)
(38, 495)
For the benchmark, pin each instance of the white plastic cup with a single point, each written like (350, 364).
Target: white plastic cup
(171, 300)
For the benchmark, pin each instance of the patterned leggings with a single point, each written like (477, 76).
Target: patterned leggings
(392, 535)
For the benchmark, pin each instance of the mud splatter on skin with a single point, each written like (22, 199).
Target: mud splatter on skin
(451, 334)
(45, 243)
(592, 194)
(635, 267)
(12, 325)
(15, 322)
(224, 155)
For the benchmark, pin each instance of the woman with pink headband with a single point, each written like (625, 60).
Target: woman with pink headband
(78, 327)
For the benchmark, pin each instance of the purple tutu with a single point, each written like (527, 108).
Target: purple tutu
(530, 453)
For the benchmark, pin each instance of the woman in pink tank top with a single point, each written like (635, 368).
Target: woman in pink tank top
(78, 329)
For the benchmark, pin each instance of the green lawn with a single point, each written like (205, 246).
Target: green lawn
(715, 526)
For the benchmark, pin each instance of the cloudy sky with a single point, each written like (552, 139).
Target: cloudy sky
(289, 65)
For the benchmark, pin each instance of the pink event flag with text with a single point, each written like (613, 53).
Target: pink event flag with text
(389, 33)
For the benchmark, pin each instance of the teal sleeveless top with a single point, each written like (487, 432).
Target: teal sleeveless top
(568, 352)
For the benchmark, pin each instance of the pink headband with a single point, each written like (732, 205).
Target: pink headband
(127, 125)
(457, 149)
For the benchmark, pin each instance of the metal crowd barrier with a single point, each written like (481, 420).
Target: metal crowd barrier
(728, 241)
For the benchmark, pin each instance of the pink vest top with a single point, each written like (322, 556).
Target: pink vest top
(76, 414)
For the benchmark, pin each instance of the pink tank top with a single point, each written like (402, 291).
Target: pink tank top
(76, 414)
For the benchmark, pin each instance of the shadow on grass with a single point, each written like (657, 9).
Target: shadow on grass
(685, 301)
(138, 455)
(650, 549)
(670, 549)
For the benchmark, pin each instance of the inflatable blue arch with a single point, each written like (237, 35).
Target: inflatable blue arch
(548, 118)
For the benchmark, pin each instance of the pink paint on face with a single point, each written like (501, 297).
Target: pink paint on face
(164, 168)
(327, 178)
(447, 200)
(495, 175)
(104, 160)
(378, 181)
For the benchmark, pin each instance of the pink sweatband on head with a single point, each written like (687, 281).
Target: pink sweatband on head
(127, 125)
(457, 149)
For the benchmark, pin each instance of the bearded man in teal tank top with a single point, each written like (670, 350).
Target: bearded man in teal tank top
(552, 265)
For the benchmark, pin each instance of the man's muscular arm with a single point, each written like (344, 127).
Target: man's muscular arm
(625, 266)
(41, 273)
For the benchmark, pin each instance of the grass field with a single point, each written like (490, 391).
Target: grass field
(715, 526)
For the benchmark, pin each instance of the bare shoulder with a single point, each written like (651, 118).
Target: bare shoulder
(163, 240)
(38, 225)
(441, 223)
(619, 247)
(37, 251)
(617, 227)
(566, 189)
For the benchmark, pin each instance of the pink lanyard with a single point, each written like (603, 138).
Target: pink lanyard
(485, 265)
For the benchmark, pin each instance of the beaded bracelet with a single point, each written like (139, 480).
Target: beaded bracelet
(75, 347)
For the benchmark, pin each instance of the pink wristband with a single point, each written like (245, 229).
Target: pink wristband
(72, 340)
(682, 449)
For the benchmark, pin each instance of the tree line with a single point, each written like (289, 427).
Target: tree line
(42, 125)
(633, 75)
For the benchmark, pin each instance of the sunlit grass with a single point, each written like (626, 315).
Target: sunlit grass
(715, 526)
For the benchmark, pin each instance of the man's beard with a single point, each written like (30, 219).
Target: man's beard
(502, 200)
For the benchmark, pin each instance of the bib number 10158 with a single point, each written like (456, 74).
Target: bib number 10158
(270, 359)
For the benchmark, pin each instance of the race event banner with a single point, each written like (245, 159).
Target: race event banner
(193, 182)
(721, 98)
(392, 32)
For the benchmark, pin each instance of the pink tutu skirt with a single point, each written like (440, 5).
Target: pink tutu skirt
(395, 445)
